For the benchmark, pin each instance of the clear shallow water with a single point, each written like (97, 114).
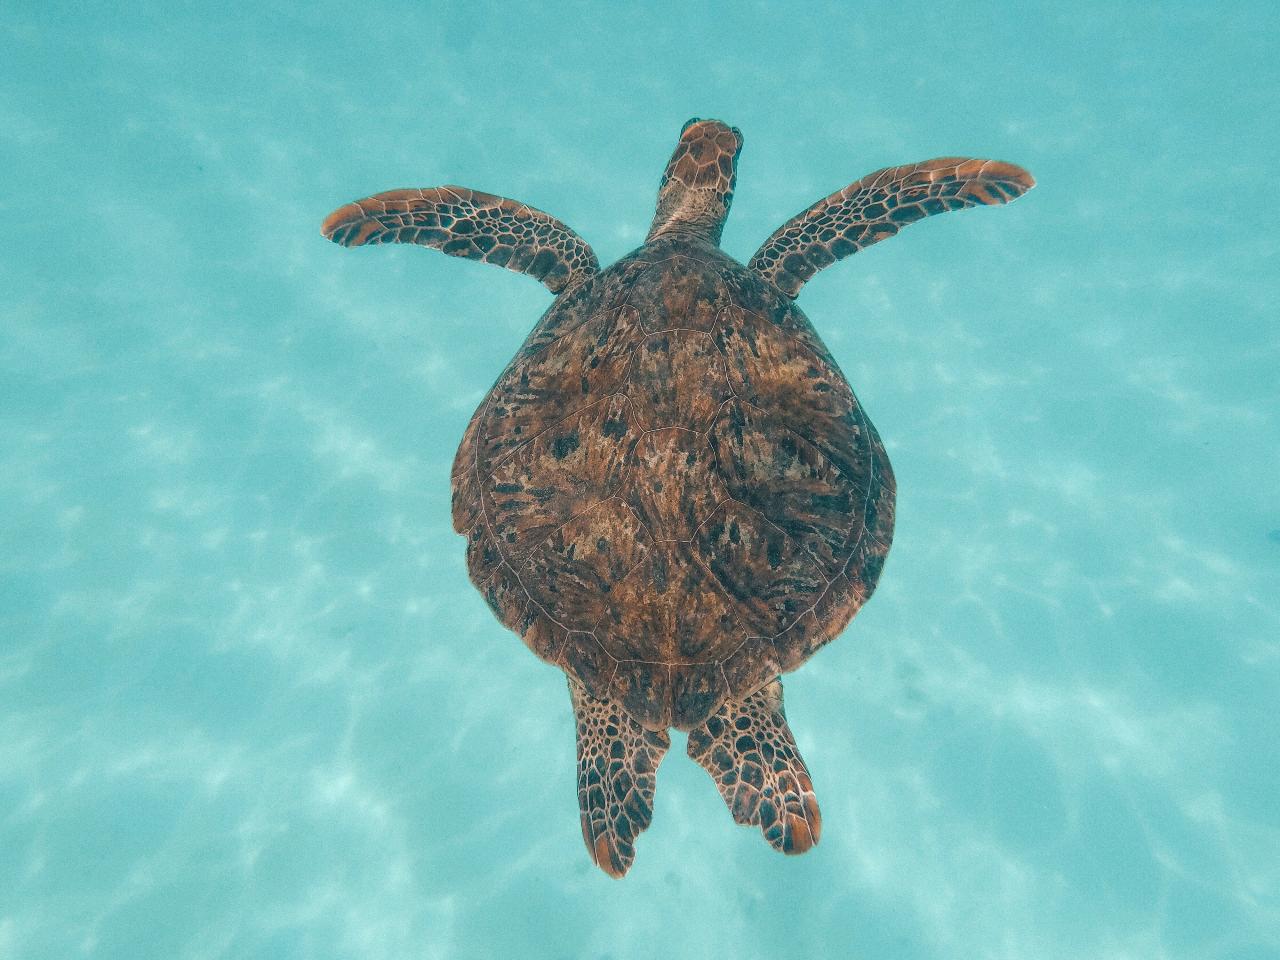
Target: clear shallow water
(250, 705)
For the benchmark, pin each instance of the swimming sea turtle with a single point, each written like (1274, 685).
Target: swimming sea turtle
(671, 492)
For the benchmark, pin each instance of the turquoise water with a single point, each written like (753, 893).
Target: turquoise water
(250, 705)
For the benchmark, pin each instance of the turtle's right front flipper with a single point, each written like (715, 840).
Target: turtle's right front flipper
(878, 206)
(468, 223)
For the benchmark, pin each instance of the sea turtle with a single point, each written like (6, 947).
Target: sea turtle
(671, 492)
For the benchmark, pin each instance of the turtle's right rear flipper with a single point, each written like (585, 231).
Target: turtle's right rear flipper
(748, 749)
(617, 772)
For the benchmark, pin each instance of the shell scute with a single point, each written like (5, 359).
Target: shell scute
(483, 555)
(753, 664)
(569, 373)
(668, 611)
(591, 663)
(640, 617)
(576, 568)
(685, 291)
(772, 578)
(697, 690)
(645, 691)
(673, 485)
(570, 466)
(769, 467)
(507, 597)
(679, 378)
(771, 368)
(542, 635)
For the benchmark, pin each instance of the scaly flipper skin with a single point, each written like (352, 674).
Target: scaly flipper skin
(468, 223)
(617, 772)
(878, 206)
(748, 749)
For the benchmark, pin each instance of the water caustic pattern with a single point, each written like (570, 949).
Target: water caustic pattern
(253, 708)
(677, 525)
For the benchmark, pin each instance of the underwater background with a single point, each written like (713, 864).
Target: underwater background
(250, 704)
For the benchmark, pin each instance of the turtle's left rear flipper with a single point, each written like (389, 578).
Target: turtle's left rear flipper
(617, 773)
(468, 223)
(748, 749)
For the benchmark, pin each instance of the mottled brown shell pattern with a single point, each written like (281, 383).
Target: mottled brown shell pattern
(672, 492)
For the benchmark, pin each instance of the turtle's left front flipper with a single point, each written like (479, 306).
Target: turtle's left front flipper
(468, 223)
(878, 206)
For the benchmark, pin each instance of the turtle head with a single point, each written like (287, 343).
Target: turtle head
(697, 186)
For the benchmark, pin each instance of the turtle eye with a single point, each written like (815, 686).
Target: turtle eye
(689, 123)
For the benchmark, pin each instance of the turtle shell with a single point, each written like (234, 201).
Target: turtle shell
(671, 491)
